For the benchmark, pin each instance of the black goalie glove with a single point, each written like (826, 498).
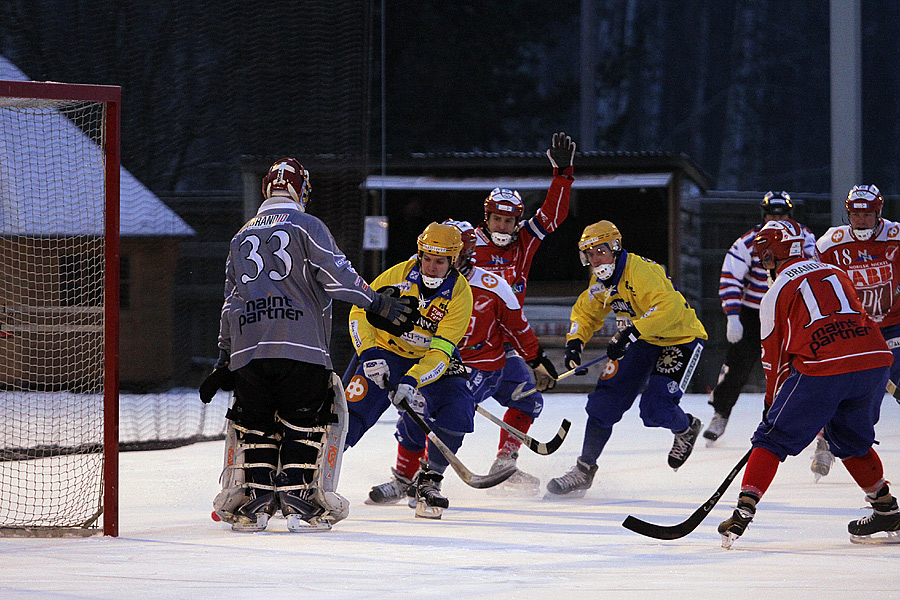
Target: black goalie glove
(561, 153)
(544, 371)
(619, 342)
(405, 311)
(220, 379)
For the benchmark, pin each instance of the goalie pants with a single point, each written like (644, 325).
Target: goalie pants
(271, 390)
(739, 362)
(446, 405)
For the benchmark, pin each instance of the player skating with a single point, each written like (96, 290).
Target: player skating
(496, 319)
(867, 249)
(826, 367)
(658, 343)
(421, 366)
(282, 273)
(505, 245)
(742, 284)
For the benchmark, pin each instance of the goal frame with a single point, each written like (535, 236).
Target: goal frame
(111, 96)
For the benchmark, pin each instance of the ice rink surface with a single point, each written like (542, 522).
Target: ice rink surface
(485, 546)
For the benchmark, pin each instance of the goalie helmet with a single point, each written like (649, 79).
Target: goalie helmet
(439, 239)
(776, 203)
(597, 234)
(288, 175)
(467, 235)
(779, 240)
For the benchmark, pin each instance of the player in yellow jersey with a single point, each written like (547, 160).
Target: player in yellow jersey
(658, 344)
(397, 363)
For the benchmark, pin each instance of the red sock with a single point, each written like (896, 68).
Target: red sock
(867, 471)
(515, 417)
(760, 472)
(408, 461)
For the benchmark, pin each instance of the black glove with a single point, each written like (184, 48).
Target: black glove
(544, 371)
(395, 311)
(561, 152)
(620, 341)
(220, 379)
(573, 355)
(406, 318)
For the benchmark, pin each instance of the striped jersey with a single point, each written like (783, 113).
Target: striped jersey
(812, 320)
(282, 273)
(513, 262)
(743, 281)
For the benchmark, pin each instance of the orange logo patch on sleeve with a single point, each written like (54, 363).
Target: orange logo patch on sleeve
(357, 389)
(489, 280)
(837, 236)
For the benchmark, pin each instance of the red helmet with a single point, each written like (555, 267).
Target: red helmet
(467, 233)
(779, 240)
(288, 174)
(504, 202)
(864, 198)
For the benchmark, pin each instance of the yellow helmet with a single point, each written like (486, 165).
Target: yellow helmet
(602, 232)
(441, 240)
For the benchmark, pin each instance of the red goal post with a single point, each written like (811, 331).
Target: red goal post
(59, 298)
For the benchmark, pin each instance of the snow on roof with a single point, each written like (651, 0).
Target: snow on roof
(39, 209)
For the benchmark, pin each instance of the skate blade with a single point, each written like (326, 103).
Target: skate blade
(371, 502)
(507, 490)
(296, 524)
(892, 537)
(728, 538)
(574, 495)
(262, 520)
(423, 511)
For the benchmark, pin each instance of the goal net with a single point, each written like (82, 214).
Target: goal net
(59, 193)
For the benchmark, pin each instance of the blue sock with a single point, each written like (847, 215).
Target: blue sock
(595, 438)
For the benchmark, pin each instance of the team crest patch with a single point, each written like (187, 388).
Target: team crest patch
(357, 388)
(489, 280)
(610, 369)
(837, 236)
(435, 313)
(672, 386)
(671, 360)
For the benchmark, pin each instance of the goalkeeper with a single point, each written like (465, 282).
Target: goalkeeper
(282, 274)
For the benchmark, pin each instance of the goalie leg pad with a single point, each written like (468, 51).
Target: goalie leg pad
(246, 452)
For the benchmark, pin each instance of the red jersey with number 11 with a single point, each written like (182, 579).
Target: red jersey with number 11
(812, 319)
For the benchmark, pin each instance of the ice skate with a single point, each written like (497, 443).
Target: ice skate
(822, 459)
(255, 513)
(716, 428)
(684, 443)
(885, 518)
(391, 492)
(520, 483)
(734, 527)
(303, 512)
(430, 504)
(574, 484)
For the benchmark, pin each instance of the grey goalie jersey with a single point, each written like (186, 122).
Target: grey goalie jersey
(283, 271)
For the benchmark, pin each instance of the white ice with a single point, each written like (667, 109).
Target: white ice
(485, 546)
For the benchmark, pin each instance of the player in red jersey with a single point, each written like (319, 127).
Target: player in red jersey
(868, 249)
(826, 366)
(505, 245)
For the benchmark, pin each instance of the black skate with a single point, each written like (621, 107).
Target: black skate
(734, 527)
(391, 492)
(430, 504)
(254, 514)
(574, 484)
(716, 427)
(684, 443)
(885, 518)
(303, 512)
